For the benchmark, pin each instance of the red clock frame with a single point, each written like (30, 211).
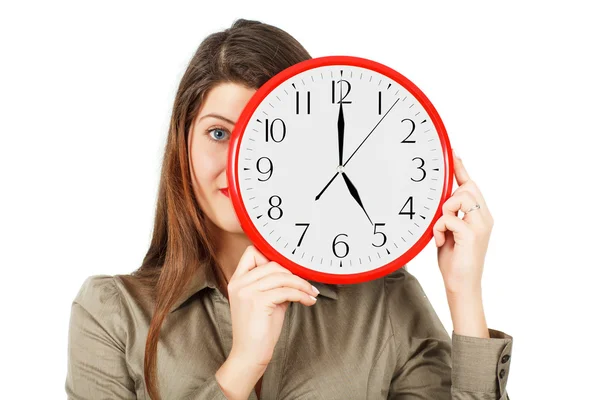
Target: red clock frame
(234, 187)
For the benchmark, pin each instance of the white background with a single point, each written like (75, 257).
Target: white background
(86, 92)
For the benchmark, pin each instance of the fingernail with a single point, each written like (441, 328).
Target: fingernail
(455, 154)
(316, 290)
(312, 298)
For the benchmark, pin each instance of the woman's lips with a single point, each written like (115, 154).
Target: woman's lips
(225, 191)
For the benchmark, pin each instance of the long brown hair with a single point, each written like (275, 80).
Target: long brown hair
(247, 53)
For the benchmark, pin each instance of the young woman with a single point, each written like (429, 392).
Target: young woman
(207, 316)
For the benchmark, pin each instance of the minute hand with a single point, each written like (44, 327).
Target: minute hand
(352, 155)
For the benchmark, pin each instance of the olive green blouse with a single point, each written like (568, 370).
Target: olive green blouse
(374, 340)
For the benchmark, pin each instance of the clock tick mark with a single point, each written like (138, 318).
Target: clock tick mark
(389, 85)
(254, 208)
(387, 251)
(418, 226)
(396, 92)
(266, 223)
(265, 113)
(370, 79)
(321, 260)
(430, 198)
(294, 85)
(436, 169)
(340, 263)
(302, 255)
(294, 251)
(259, 120)
(259, 216)
(311, 258)
(418, 113)
(285, 91)
(379, 82)
(426, 207)
(271, 105)
(421, 216)
(402, 239)
(395, 245)
(286, 245)
(369, 258)
(410, 232)
(359, 261)
(411, 105)
(423, 121)
(404, 98)
(246, 169)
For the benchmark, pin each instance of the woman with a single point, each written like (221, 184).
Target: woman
(207, 316)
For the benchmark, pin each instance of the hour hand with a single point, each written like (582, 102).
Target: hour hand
(354, 194)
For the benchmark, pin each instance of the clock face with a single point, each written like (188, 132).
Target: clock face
(338, 169)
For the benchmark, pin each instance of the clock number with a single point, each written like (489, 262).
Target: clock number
(341, 82)
(411, 213)
(269, 171)
(303, 233)
(411, 131)
(269, 130)
(307, 102)
(340, 242)
(381, 233)
(275, 206)
(421, 168)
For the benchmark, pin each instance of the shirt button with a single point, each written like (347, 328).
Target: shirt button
(502, 372)
(505, 358)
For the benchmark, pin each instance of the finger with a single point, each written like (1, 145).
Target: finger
(462, 201)
(460, 171)
(249, 260)
(457, 226)
(278, 280)
(260, 272)
(281, 295)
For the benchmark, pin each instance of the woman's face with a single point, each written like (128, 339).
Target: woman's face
(208, 144)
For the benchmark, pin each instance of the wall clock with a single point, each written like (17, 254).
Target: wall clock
(338, 169)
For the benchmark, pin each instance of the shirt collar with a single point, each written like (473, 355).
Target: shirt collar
(205, 278)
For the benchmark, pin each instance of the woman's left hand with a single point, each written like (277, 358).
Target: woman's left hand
(462, 243)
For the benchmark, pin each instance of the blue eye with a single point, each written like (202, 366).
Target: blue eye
(220, 135)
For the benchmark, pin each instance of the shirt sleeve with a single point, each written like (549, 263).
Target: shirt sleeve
(96, 367)
(430, 364)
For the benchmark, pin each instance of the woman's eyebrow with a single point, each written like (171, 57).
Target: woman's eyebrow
(217, 116)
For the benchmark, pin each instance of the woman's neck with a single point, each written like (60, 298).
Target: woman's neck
(230, 247)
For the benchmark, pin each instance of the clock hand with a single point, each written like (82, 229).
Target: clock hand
(354, 194)
(361, 143)
(340, 126)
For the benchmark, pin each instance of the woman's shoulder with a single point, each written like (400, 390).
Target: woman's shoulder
(98, 305)
(98, 293)
(103, 293)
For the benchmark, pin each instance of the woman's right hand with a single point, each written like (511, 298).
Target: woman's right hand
(260, 292)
